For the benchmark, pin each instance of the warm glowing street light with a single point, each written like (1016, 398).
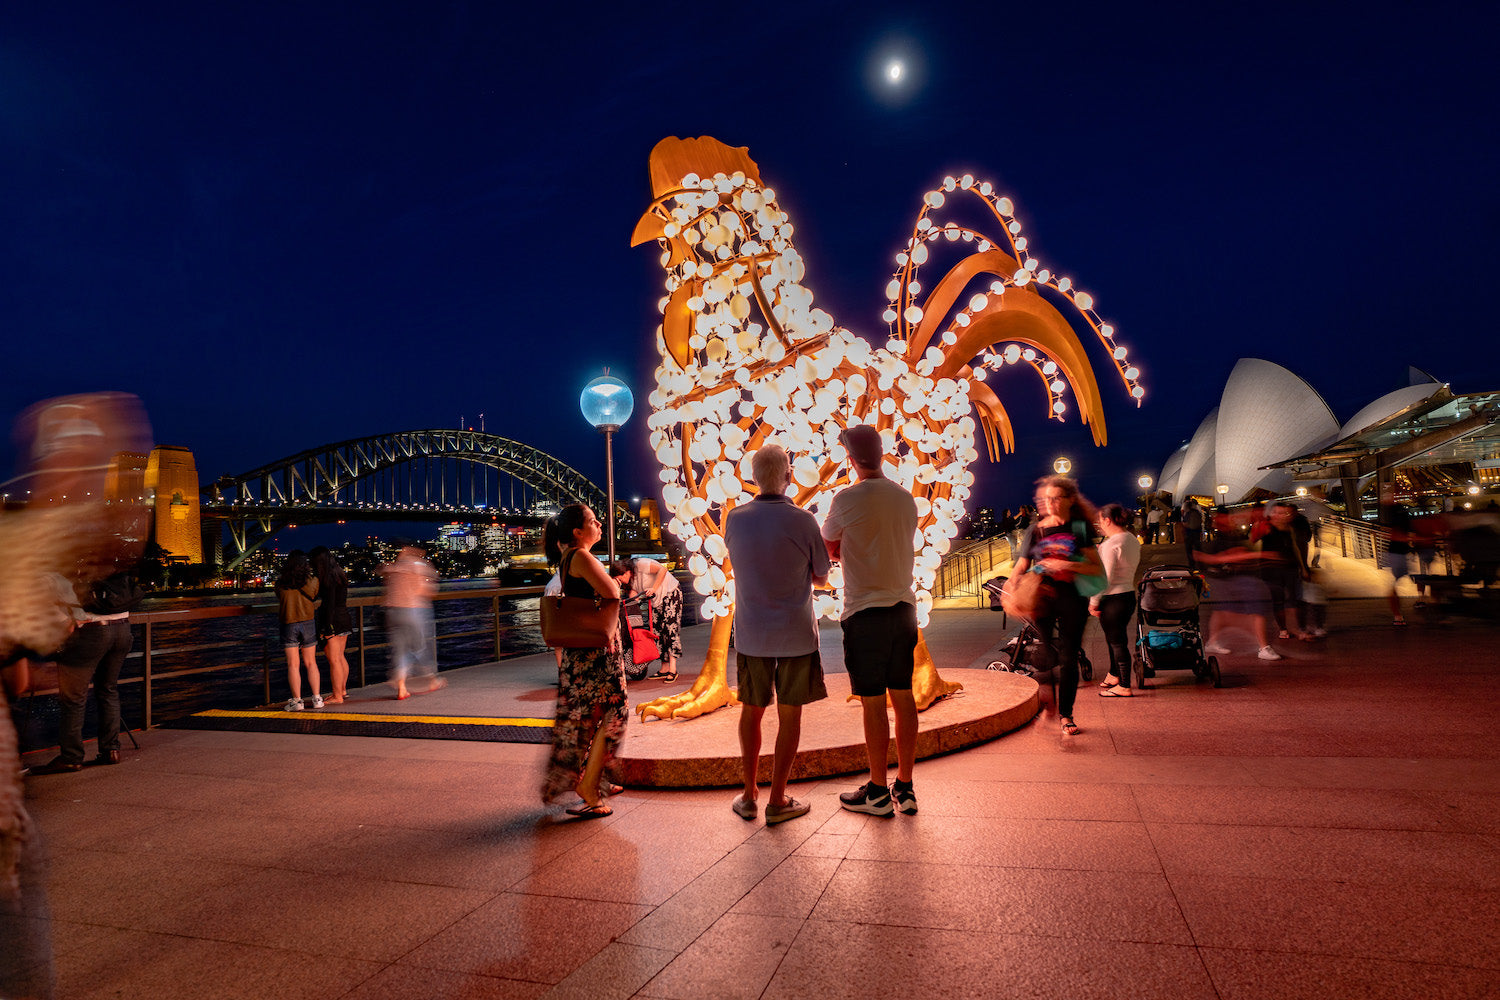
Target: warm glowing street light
(1223, 490)
(1144, 482)
(1062, 466)
(606, 403)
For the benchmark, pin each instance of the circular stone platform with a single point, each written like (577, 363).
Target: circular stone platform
(704, 752)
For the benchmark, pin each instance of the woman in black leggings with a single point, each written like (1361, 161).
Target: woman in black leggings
(1120, 553)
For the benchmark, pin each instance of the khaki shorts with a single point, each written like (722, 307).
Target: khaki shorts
(797, 680)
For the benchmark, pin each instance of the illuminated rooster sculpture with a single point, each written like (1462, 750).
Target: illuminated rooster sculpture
(747, 359)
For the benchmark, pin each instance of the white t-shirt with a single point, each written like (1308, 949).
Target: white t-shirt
(875, 524)
(1120, 555)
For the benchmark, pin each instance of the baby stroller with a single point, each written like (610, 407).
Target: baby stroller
(1167, 635)
(1028, 652)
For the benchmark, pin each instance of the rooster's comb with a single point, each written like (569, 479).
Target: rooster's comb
(673, 159)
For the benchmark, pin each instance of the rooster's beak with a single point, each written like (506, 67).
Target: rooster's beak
(648, 228)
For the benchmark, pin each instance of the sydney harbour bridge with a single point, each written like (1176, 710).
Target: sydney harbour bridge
(421, 475)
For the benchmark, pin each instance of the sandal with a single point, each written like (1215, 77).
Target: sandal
(1110, 680)
(587, 811)
(1069, 728)
(1116, 692)
(664, 677)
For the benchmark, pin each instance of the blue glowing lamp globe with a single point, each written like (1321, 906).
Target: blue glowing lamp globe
(606, 403)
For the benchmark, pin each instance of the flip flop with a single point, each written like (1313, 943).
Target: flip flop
(1116, 692)
(664, 678)
(610, 788)
(1107, 683)
(589, 812)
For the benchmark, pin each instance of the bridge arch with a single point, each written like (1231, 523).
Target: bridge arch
(323, 474)
(353, 480)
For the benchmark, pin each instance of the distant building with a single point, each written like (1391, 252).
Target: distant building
(172, 476)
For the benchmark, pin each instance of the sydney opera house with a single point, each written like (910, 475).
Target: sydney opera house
(1272, 433)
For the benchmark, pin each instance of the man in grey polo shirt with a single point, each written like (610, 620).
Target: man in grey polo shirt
(778, 557)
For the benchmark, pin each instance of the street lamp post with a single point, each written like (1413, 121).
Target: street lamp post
(606, 403)
(1223, 491)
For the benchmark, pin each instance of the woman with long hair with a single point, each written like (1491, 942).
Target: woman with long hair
(649, 578)
(1058, 544)
(1120, 554)
(591, 706)
(296, 589)
(334, 623)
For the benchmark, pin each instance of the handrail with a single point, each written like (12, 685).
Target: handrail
(148, 652)
(961, 571)
(1353, 539)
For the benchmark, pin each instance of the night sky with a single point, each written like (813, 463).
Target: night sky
(289, 224)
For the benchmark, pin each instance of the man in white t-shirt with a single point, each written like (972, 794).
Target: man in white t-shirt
(871, 531)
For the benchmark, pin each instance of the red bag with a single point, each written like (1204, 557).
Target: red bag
(643, 646)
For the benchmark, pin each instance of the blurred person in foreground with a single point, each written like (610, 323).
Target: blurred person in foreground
(1284, 567)
(334, 623)
(410, 583)
(1396, 521)
(591, 706)
(1120, 555)
(778, 558)
(1059, 545)
(296, 588)
(84, 460)
(1240, 598)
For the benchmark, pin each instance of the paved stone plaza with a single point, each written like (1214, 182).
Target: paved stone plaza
(1325, 825)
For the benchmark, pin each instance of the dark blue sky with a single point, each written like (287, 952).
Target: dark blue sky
(290, 224)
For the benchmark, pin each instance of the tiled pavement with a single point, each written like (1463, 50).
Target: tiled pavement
(1324, 826)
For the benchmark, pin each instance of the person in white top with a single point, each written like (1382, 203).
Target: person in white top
(1120, 553)
(871, 529)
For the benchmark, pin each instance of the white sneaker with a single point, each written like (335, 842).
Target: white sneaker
(294, 705)
(1267, 653)
(1216, 649)
(317, 701)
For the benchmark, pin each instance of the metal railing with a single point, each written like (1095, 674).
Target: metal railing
(147, 650)
(1352, 539)
(963, 571)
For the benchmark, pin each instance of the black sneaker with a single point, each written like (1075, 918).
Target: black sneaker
(905, 796)
(868, 798)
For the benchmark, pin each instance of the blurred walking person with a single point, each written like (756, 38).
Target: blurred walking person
(1060, 547)
(410, 582)
(1192, 529)
(334, 623)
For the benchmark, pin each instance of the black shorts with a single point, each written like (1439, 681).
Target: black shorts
(879, 648)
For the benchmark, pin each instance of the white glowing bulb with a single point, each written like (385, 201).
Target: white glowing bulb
(895, 70)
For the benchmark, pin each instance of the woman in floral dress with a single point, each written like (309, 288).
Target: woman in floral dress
(591, 705)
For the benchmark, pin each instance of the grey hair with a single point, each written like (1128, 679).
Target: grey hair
(771, 468)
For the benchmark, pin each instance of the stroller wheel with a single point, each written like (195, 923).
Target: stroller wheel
(1213, 671)
(1138, 672)
(1085, 667)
